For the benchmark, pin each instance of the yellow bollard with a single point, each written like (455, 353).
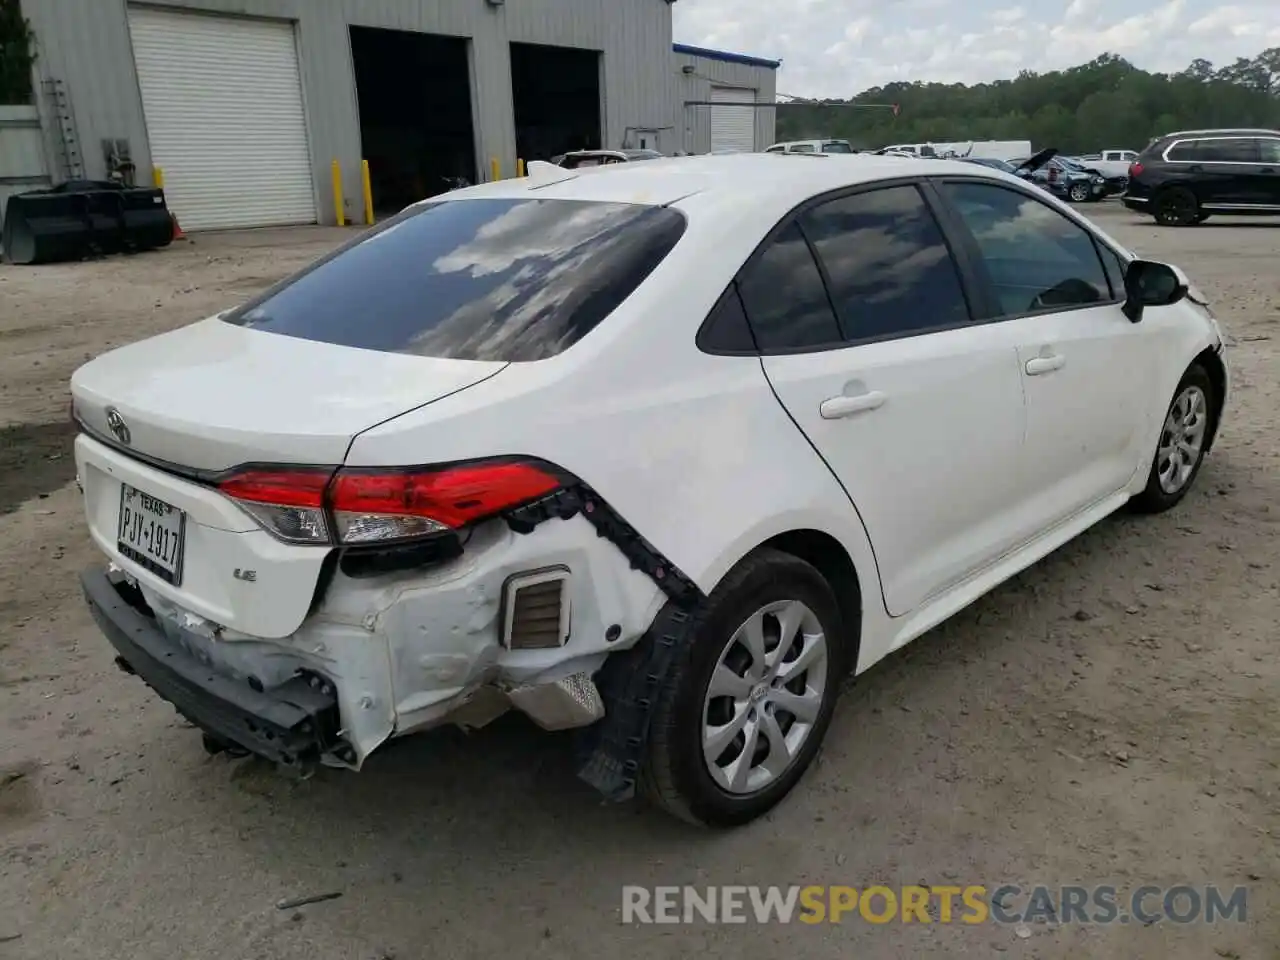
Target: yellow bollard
(520, 168)
(495, 168)
(157, 176)
(337, 194)
(368, 192)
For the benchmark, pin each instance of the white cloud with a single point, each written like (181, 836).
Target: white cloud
(836, 48)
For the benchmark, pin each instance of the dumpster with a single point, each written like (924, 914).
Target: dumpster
(84, 218)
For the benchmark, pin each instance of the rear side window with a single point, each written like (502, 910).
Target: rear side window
(890, 271)
(784, 296)
(486, 279)
(836, 146)
(802, 148)
(726, 329)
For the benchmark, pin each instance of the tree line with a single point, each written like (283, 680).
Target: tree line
(1106, 103)
(16, 54)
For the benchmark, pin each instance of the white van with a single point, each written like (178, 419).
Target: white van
(909, 149)
(812, 146)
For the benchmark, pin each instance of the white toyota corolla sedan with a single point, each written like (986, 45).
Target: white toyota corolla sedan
(659, 453)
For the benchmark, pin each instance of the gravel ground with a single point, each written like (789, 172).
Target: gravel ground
(1108, 717)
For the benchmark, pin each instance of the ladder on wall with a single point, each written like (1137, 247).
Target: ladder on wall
(71, 161)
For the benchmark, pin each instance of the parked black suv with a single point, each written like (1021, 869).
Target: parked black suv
(1182, 178)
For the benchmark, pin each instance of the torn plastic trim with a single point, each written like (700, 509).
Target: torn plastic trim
(610, 752)
(578, 498)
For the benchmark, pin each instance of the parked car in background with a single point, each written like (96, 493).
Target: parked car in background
(812, 146)
(442, 472)
(1064, 179)
(598, 158)
(1123, 156)
(1115, 175)
(1183, 178)
(909, 149)
(1023, 172)
(1107, 168)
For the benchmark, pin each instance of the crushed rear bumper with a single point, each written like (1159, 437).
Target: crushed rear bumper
(293, 724)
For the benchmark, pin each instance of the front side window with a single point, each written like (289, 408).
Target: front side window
(485, 279)
(889, 269)
(1036, 258)
(802, 148)
(785, 299)
(836, 146)
(1115, 267)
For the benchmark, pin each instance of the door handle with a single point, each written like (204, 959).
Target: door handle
(836, 407)
(1039, 365)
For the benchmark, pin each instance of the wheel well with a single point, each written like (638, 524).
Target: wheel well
(824, 552)
(1217, 372)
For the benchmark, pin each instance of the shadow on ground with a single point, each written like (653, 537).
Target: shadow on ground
(35, 459)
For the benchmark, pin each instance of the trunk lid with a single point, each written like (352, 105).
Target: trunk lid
(213, 395)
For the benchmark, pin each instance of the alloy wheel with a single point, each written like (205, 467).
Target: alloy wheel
(765, 696)
(1176, 208)
(1182, 439)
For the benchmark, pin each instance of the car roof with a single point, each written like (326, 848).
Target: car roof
(1221, 131)
(731, 179)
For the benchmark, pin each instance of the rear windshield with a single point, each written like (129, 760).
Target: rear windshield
(485, 279)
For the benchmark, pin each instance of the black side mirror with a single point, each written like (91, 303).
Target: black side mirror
(1151, 284)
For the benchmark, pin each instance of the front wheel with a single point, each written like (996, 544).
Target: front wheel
(745, 708)
(1078, 193)
(1184, 437)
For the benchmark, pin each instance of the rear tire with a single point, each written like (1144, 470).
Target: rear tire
(1177, 207)
(1184, 437)
(705, 762)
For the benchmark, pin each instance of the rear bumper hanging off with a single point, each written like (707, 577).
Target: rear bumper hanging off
(294, 724)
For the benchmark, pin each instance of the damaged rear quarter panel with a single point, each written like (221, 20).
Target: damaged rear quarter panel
(440, 626)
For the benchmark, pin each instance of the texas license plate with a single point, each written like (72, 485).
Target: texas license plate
(150, 533)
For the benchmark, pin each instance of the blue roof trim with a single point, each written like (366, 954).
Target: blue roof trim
(725, 56)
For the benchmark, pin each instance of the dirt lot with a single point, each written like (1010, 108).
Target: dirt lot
(1109, 717)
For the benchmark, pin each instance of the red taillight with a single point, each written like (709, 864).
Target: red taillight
(282, 488)
(369, 505)
(1053, 174)
(1135, 169)
(452, 496)
(289, 504)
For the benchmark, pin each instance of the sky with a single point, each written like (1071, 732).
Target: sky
(836, 48)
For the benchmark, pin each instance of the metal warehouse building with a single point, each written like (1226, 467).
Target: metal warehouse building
(245, 105)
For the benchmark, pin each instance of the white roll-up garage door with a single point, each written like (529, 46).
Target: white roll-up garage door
(732, 128)
(223, 103)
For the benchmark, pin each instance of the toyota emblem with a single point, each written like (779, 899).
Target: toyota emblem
(119, 429)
